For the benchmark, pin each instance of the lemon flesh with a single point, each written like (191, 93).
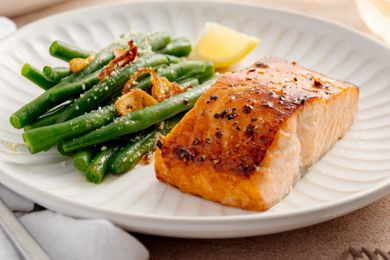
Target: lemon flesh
(223, 46)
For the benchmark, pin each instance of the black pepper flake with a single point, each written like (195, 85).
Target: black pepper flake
(208, 140)
(247, 109)
(238, 128)
(247, 169)
(184, 154)
(295, 79)
(232, 115)
(223, 113)
(208, 102)
(185, 101)
(216, 115)
(254, 119)
(248, 78)
(201, 158)
(261, 65)
(218, 134)
(251, 70)
(303, 101)
(317, 84)
(159, 144)
(197, 141)
(213, 97)
(249, 131)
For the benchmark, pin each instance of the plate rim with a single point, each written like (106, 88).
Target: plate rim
(371, 194)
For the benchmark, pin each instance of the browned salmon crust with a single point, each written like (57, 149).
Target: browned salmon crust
(254, 132)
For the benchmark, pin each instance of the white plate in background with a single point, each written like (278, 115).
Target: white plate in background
(353, 174)
(12, 7)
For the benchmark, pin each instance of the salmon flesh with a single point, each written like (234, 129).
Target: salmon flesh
(255, 132)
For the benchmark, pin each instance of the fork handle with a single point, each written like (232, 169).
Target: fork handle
(20, 237)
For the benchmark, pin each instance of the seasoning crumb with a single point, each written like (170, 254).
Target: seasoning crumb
(12, 146)
(247, 109)
(249, 131)
(159, 144)
(184, 154)
(317, 84)
(213, 97)
(185, 101)
(218, 134)
(223, 113)
(261, 65)
(232, 115)
(201, 158)
(147, 159)
(197, 141)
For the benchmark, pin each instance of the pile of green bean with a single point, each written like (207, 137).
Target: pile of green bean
(76, 111)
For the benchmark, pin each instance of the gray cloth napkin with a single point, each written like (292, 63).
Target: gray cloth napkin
(67, 238)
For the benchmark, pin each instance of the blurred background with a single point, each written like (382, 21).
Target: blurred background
(371, 16)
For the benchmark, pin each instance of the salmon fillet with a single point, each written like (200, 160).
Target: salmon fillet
(255, 132)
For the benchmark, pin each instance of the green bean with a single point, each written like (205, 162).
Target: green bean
(180, 47)
(73, 90)
(166, 126)
(31, 111)
(82, 159)
(67, 52)
(190, 82)
(55, 74)
(100, 92)
(98, 167)
(138, 120)
(174, 59)
(37, 77)
(41, 139)
(174, 72)
(207, 74)
(156, 40)
(49, 118)
(128, 156)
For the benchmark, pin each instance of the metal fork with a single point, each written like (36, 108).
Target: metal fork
(26, 245)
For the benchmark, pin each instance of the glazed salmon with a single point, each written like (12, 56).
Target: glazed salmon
(255, 132)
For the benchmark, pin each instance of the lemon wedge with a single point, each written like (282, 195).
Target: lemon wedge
(223, 46)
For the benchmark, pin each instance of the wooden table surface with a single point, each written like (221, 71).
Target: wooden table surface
(368, 227)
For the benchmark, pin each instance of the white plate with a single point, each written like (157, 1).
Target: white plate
(353, 174)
